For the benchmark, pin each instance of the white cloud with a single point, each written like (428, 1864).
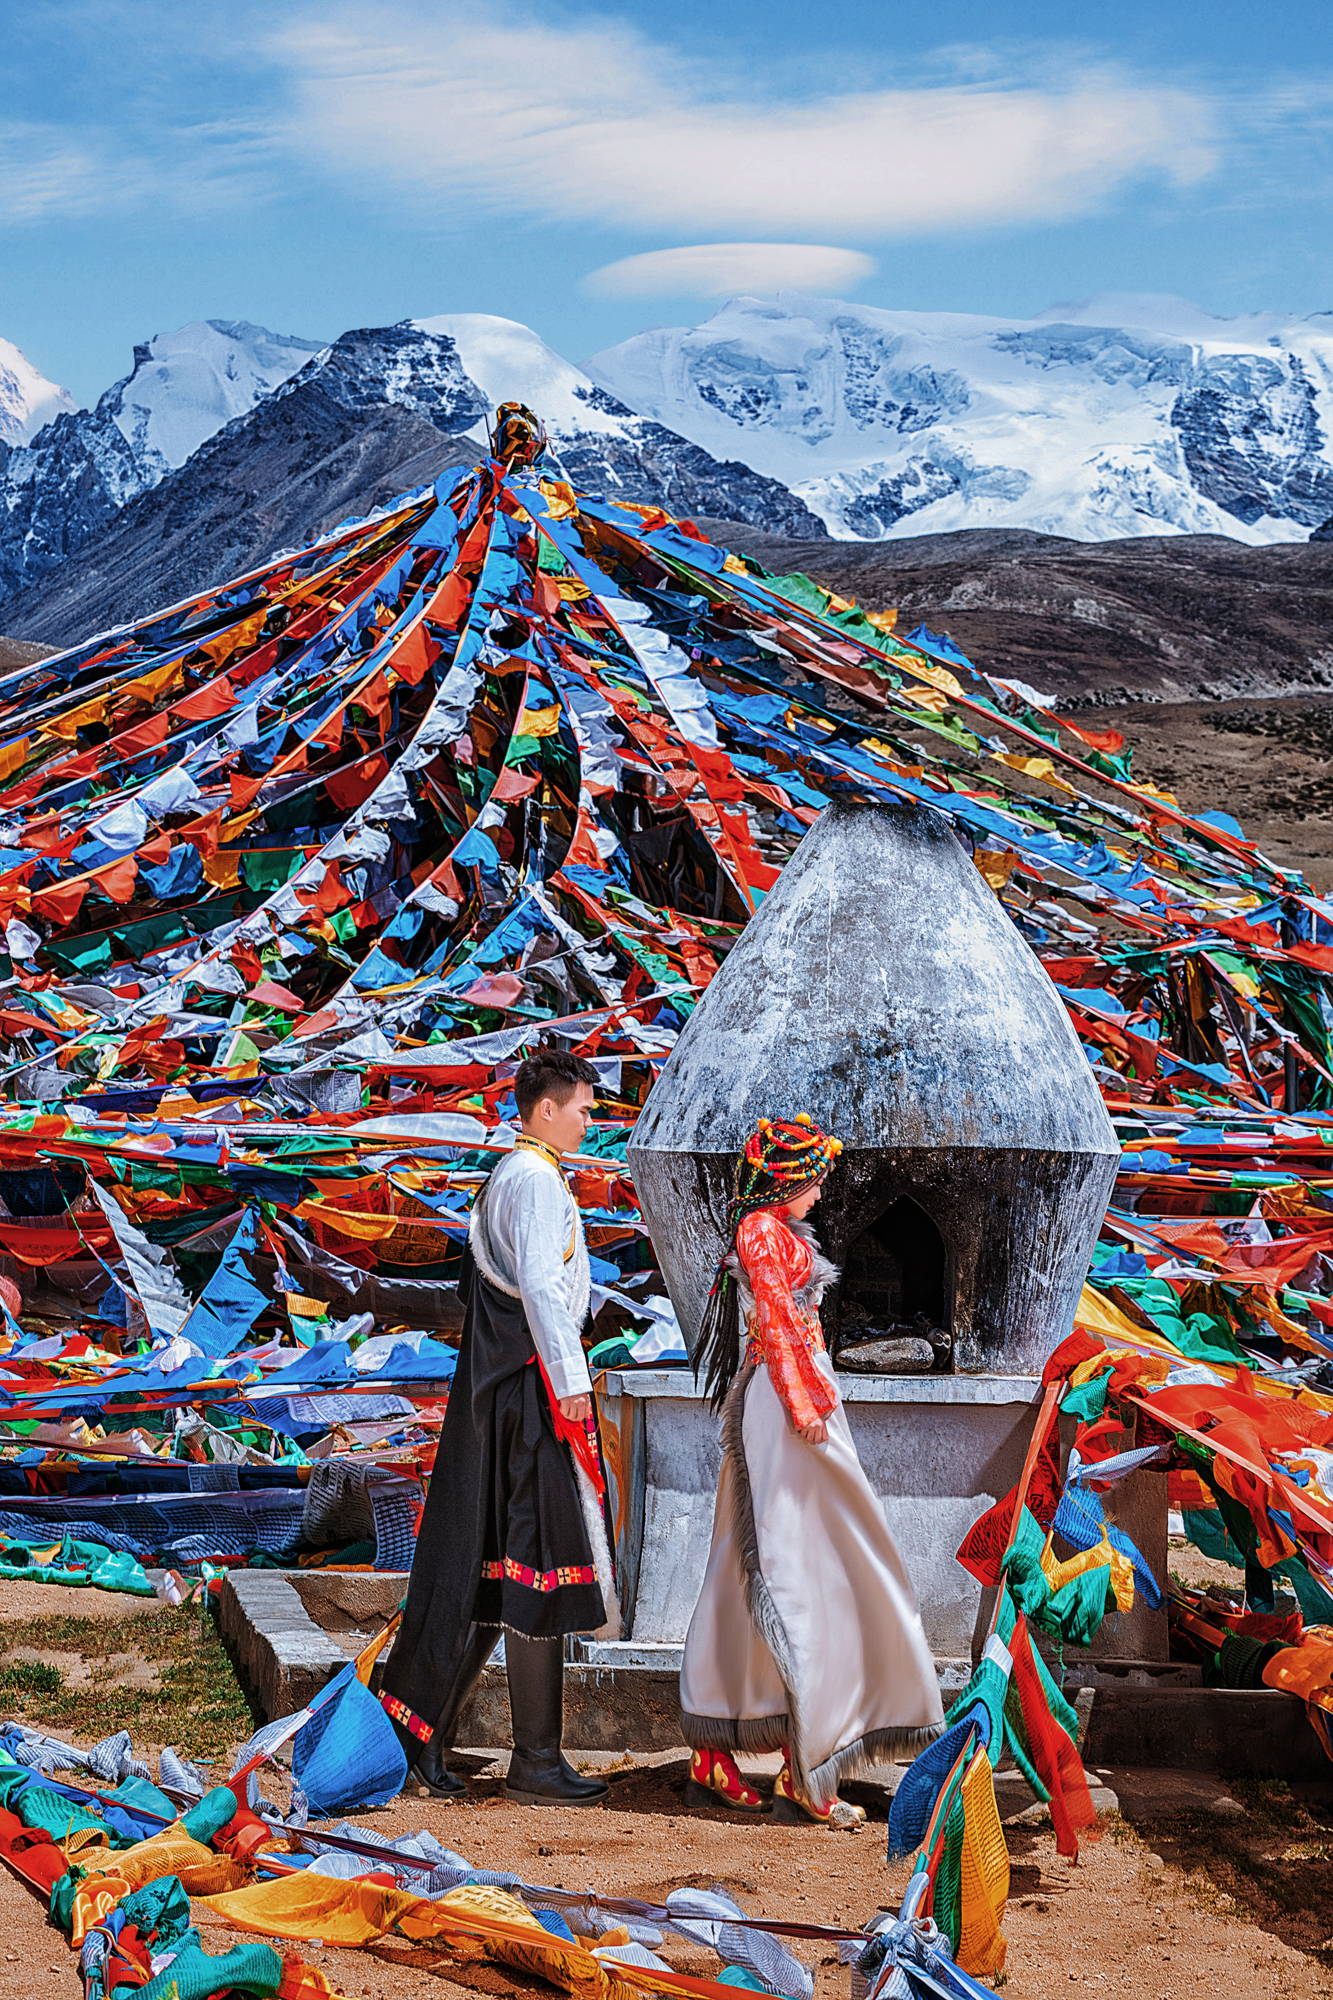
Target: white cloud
(495, 109)
(52, 173)
(721, 270)
(45, 170)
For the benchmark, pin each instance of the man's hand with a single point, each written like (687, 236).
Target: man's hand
(575, 1409)
(816, 1433)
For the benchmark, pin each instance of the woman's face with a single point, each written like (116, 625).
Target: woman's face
(802, 1203)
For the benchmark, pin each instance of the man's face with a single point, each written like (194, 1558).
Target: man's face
(563, 1125)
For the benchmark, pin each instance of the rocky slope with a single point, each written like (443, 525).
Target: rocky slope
(1119, 416)
(80, 469)
(1158, 618)
(381, 411)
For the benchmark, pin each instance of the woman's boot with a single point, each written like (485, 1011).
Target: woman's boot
(538, 1773)
(791, 1806)
(715, 1780)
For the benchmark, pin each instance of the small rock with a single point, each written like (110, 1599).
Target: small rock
(546, 1850)
(1227, 1808)
(888, 1357)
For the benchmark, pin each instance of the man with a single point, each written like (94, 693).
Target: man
(514, 1532)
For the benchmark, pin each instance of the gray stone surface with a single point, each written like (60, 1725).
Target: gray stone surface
(647, 1383)
(606, 1708)
(1129, 1714)
(281, 1650)
(336, 1598)
(882, 988)
(937, 1450)
(1244, 1732)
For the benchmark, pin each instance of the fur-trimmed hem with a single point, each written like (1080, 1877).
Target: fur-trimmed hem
(879, 1746)
(764, 1613)
(783, 1732)
(595, 1526)
(479, 1242)
(744, 1736)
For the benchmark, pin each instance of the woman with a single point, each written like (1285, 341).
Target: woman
(806, 1637)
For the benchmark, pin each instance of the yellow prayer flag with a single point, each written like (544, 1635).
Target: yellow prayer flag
(538, 721)
(925, 697)
(1035, 767)
(926, 670)
(153, 684)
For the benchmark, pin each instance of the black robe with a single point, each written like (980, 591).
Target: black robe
(503, 1538)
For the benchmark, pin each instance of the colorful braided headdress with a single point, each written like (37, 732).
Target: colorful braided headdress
(781, 1157)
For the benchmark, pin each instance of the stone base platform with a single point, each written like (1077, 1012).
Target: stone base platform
(290, 1631)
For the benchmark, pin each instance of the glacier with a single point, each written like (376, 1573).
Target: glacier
(80, 467)
(27, 399)
(1117, 416)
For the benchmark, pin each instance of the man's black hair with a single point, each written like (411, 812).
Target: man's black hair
(550, 1073)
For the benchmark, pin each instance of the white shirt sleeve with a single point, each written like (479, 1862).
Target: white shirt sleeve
(539, 1233)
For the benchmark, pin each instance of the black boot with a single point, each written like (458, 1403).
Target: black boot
(538, 1773)
(431, 1771)
(426, 1761)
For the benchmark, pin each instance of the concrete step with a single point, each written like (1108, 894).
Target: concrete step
(625, 1696)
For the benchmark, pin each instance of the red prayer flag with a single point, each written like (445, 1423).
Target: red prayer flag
(269, 994)
(244, 790)
(415, 655)
(348, 788)
(117, 879)
(511, 784)
(205, 833)
(215, 697)
(145, 735)
(450, 601)
(61, 904)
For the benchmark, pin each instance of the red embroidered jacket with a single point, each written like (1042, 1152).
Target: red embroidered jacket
(783, 1335)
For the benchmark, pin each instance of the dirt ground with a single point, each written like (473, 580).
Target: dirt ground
(1267, 763)
(1195, 1887)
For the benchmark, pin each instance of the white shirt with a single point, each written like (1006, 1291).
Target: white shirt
(533, 1239)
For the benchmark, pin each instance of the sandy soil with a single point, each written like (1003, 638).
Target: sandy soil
(1153, 1911)
(1264, 762)
(1195, 1887)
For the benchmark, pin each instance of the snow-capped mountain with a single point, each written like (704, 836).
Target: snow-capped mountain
(185, 386)
(1119, 416)
(27, 399)
(377, 412)
(605, 446)
(82, 467)
(188, 388)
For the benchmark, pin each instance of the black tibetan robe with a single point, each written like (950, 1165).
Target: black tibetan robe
(507, 1538)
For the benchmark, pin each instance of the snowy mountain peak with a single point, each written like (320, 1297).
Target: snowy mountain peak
(186, 385)
(1117, 415)
(510, 363)
(27, 399)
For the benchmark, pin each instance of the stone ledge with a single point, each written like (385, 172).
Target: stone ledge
(969, 1390)
(1245, 1732)
(606, 1708)
(286, 1656)
(1129, 1714)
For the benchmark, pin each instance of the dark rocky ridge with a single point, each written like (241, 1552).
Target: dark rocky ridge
(291, 470)
(384, 410)
(1169, 618)
(81, 469)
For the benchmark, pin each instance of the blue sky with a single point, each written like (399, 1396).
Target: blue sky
(594, 170)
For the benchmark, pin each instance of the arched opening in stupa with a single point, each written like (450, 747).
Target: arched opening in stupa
(896, 1279)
